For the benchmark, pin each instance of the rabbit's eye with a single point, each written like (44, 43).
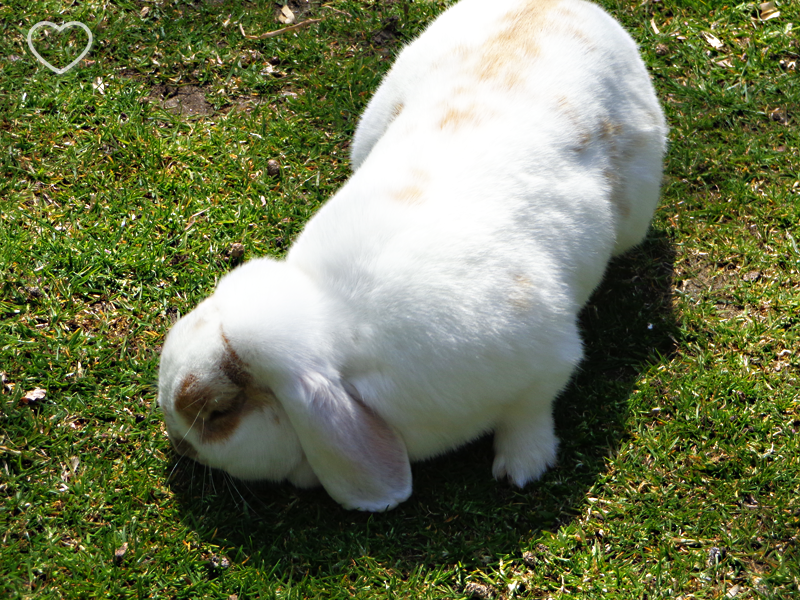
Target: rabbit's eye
(216, 415)
(226, 407)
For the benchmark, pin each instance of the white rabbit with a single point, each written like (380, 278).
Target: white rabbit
(510, 152)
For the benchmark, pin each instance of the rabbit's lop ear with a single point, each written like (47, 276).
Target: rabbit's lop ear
(359, 459)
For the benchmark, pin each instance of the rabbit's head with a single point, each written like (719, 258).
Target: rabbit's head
(215, 411)
(247, 385)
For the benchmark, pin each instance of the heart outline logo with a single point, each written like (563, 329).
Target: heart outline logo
(59, 29)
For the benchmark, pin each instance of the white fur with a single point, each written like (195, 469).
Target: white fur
(435, 297)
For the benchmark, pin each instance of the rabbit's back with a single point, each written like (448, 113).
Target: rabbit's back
(511, 150)
(531, 119)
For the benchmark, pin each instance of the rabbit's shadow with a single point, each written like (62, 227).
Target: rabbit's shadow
(458, 513)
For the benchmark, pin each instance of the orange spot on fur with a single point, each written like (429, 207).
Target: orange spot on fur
(455, 118)
(505, 53)
(410, 194)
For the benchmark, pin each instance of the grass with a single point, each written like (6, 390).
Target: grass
(679, 473)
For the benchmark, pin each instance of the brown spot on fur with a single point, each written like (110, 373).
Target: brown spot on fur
(396, 110)
(216, 407)
(503, 52)
(214, 412)
(413, 192)
(454, 118)
(190, 397)
(617, 198)
(610, 133)
(583, 135)
(584, 139)
(609, 130)
(232, 366)
(504, 56)
(220, 423)
(621, 204)
(610, 175)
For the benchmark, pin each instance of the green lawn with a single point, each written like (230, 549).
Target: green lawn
(126, 182)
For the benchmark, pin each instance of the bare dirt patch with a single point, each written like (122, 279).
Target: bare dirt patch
(699, 276)
(186, 100)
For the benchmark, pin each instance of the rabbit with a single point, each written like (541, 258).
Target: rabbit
(510, 152)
